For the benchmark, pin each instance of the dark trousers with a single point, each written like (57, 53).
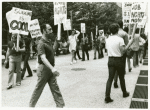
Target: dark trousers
(77, 53)
(96, 48)
(135, 58)
(145, 48)
(26, 65)
(116, 74)
(85, 50)
(115, 64)
(46, 76)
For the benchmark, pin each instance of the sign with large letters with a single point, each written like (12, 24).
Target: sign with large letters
(34, 28)
(60, 12)
(18, 20)
(138, 13)
(67, 24)
(126, 12)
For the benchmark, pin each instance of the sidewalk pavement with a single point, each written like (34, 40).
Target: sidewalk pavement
(80, 89)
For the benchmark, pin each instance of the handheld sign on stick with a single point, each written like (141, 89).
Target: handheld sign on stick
(59, 32)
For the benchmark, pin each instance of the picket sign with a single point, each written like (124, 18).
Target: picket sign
(126, 12)
(67, 24)
(18, 22)
(60, 12)
(101, 32)
(138, 12)
(60, 15)
(34, 28)
(59, 32)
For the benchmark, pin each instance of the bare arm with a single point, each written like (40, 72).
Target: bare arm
(7, 54)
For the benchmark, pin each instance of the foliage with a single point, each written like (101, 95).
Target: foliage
(91, 13)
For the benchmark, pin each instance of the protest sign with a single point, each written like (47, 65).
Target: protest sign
(18, 20)
(137, 13)
(34, 28)
(82, 27)
(126, 12)
(101, 32)
(67, 24)
(60, 12)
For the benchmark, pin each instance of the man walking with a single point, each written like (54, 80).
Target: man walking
(46, 72)
(124, 35)
(116, 47)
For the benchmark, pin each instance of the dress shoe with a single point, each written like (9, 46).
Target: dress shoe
(29, 76)
(107, 100)
(34, 71)
(18, 84)
(126, 94)
(83, 60)
(130, 69)
(115, 85)
(9, 87)
(94, 58)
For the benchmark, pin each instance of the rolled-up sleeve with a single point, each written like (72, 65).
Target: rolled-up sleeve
(41, 49)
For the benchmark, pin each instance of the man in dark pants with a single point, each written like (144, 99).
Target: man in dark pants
(116, 47)
(96, 45)
(46, 72)
(123, 35)
(27, 41)
(84, 43)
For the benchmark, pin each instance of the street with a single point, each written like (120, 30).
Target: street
(82, 85)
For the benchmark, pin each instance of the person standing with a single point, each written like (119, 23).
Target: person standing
(102, 44)
(14, 57)
(123, 35)
(77, 49)
(84, 44)
(116, 48)
(96, 45)
(72, 44)
(46, 71)
(27, 40)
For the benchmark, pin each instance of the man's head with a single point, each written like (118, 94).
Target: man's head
(46, 30)
(114, 28)
(120, 23)
(73, 32)
(14, 37)
(126, 29)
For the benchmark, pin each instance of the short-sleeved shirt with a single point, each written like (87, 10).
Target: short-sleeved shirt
(113, 44)
(12, 50)
(123, 35)
(45, 47)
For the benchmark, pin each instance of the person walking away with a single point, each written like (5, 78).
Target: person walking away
(84, 44)
(128, 56)
(123, 35)
(96, 44)
(141, 49)
(14, 57)
(27, 40)
(135, 47)
(116, 48)
(72, 44)
(46, 71)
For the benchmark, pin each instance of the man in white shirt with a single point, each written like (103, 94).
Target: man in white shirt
(116, 48)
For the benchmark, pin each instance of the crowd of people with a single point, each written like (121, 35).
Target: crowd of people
(118, 44)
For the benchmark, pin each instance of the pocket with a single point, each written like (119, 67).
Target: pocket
(40, 70)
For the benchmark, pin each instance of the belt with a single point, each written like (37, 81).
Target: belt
(115, 57)
(16, 54)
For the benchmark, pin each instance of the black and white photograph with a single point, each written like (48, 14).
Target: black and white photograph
(74, 54)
